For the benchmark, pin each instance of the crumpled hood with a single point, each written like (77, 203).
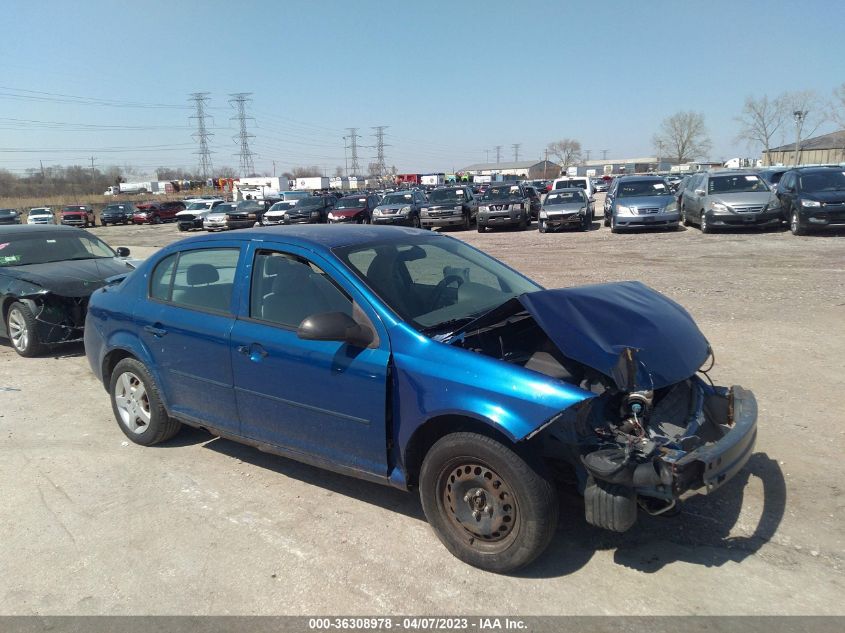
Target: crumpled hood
(638, 337)
(70, 278)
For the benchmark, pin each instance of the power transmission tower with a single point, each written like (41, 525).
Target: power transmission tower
(380, 145)
(202, 134)
(604, 154)
(516, 147)
(239, 101)
(587, 152)
(498, 149)
(353, 147)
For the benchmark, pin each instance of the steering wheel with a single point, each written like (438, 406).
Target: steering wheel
(440, 288)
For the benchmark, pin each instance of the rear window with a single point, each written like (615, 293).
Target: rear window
(580, 183)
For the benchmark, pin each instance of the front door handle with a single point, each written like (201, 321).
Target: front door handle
(155, 331)
(254, 351)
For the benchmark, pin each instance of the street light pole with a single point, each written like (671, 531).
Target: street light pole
(799, 116)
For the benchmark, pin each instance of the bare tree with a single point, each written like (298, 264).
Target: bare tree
(338, 171)
(760, 120)
(683, 136)
(808, 112)
(307, 172)
(838, 106)
(226, 172)
(566, 152)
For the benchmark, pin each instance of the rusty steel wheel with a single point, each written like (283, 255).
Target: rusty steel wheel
(478, 503)
(489, 505)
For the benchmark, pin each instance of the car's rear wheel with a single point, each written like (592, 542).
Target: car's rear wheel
(137, 405)
(20, 327)
(490, 507)
(795, 225)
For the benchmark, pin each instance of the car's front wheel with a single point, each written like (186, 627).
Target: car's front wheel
(613, 227)
(137, 405)
(795, 225)
(490, 507)
(20, 327)
(704, 225)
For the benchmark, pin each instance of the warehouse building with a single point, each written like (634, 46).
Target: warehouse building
(821, 150)
(524, 169)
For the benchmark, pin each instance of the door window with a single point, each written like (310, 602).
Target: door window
(201, 279)
(286, 289)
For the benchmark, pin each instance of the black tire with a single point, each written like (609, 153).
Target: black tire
(684, 217)
(480, 227)
(613, 227)
(156, 219)
(523, 222)
(795, 225)
(131, 377)
(703, 224)
(22, 332)
(181, 227)
(586, 223)
(467, 473)
(365, 219)
(416, 223)
(541, 226)
(467, 222)
(606, 221)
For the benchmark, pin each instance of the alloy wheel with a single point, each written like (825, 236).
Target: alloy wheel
(18, 331)
(133, 403)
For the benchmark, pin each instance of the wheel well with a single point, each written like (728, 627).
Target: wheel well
(110, 362)
(432, 430)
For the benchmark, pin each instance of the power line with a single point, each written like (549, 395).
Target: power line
(353, 148)
(202, 134)
(239, 101)
(380, 145)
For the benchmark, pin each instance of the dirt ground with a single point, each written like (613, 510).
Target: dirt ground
(92, 524)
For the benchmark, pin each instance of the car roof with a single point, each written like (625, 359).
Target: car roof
(817, 168)
(28, 229)
(566, 190)
(320, 236)
(639, 178)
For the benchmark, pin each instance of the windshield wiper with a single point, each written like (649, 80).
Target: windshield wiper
(447, 326)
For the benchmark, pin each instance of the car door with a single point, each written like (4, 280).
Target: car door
(787, 193)
(325, 400)
(185, 327)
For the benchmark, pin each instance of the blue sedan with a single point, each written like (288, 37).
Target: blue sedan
(411, 359)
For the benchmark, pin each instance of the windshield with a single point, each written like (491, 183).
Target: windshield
(437, 284)
(568, 184)
(51, 247)
(282, 206)
(40, 212)
(397, 198)
(446, 195)
(736, 184)
(823, 181)
(309, 202)
(198, 206)
(295, 195)
(225, 208)
(114, 208)
(351, 203)
(501, 192)
(567, 197)
(637, 188)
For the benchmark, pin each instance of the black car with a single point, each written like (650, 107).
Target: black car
(812, 198)
(772, 175)
(117, 213)
(47, 274)
(505, 204)
(311, 210)
(245, 214)
(10, 216)
(450, 206)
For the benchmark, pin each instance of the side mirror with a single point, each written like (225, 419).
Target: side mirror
(334, 326)
(700, 192)
(122, 251)
(592, 199)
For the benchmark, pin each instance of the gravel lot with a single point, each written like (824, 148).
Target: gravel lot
(91, 524)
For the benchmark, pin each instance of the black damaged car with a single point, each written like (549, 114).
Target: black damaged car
(47, 274)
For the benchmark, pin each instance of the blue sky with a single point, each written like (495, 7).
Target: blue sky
(450, 79)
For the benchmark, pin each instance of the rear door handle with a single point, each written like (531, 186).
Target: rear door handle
(155, 331)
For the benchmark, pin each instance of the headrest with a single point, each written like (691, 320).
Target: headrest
(202, 274)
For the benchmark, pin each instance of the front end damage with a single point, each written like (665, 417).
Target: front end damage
(655, 428)
(58, 319)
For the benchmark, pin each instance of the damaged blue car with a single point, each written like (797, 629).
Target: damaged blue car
(411, 359)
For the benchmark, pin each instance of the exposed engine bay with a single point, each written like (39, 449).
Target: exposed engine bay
(628, 447)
